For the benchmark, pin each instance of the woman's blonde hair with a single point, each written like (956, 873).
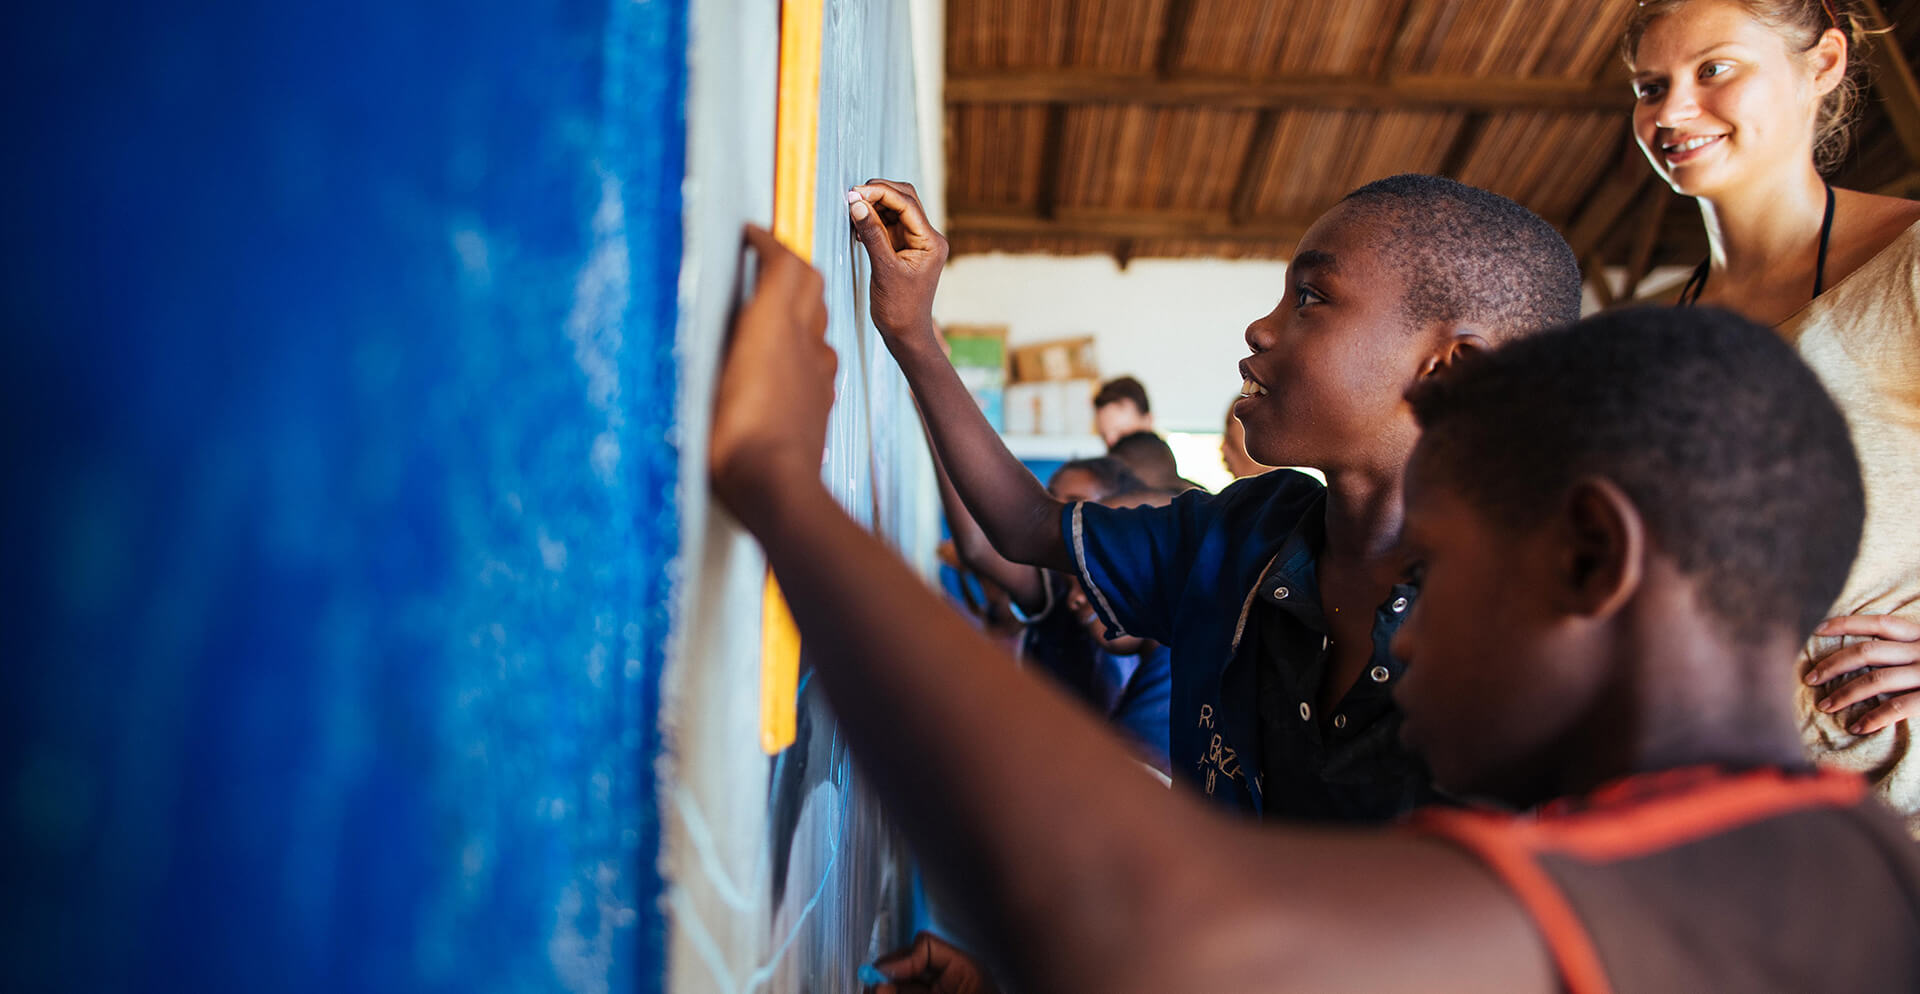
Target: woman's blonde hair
(1800, 23)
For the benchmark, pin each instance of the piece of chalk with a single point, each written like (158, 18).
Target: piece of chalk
(873, 977)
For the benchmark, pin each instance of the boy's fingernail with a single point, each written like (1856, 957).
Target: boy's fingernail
(854, 197)
(1825, 704)
(1812, 678)
(1858, 728)
(871, 976)
(859, 210)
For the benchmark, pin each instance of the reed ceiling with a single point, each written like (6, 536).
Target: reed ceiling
(1222, 127)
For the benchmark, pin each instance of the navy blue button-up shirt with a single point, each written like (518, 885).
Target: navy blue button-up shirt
(1200, 576)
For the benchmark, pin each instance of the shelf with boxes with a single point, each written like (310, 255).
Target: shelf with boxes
(1039, 396)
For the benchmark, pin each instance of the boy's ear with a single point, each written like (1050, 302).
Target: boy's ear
(1604, 548)
(1455, 345)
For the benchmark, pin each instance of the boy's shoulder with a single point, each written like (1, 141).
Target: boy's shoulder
(1629, 884)
(1276, 501)
(1282, 487)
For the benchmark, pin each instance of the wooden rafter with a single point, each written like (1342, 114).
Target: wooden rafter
(1259, 153)
(1173, 36)
(1050, 144)
(1640, 255)
(1285, 92)
(1894, 79)
(1608, 204)
(1595, 270)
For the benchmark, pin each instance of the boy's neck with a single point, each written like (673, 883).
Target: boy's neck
(1363, 515)
(1687, 696)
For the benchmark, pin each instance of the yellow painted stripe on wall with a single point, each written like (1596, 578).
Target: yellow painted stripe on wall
(796, 165)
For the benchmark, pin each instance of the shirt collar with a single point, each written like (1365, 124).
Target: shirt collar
(1291, 581)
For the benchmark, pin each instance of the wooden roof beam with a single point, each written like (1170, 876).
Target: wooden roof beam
(1080, 222)
(1173, 36)
(1285, 92)
(1894, 79)
(1604, 210)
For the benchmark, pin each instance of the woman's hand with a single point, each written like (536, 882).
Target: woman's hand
(1891, 661)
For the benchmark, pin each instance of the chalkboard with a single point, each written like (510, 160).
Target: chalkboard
(783, 875)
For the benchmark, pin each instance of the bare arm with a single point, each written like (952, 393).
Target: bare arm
(1025, 583)
(1018, 515)
(1084, 873)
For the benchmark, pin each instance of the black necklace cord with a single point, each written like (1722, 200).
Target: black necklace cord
(1697, 283)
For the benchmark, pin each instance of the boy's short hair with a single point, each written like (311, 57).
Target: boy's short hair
(1149, 455)
(1113, 475)
(1124, 388)
(1736, 458)
(1473, 257)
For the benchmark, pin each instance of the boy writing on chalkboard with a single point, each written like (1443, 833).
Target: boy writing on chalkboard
(1278, 596)
(1627, 529)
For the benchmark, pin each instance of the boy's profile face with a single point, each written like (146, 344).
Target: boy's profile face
(1332, 360)
(1494, 682)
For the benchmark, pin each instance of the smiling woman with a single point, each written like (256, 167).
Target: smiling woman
(1742, 104)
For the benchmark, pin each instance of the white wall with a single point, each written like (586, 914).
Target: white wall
(1176, 324)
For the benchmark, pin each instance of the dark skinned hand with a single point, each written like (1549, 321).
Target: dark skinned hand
(932, 966)
(907, 255)
(776, 383)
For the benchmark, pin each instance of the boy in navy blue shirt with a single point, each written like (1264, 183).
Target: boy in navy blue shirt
(1278, 596)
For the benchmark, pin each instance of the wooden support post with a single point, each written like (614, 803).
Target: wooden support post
(1640, 256)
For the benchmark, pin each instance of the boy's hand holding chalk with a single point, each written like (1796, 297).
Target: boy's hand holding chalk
(907, 258)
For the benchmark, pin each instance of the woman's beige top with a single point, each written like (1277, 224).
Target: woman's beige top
(1863, 337)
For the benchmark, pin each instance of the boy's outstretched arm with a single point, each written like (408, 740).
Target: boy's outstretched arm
(1018, 515)
(1082, 872)
(1025, 584)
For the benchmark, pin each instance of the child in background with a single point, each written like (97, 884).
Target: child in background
(1152, 460)
(1626, 528)
(1051, 638)
(1278, 596)
(1120, 408)
(1233, 449)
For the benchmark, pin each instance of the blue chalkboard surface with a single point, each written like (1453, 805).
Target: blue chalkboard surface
(341, 492)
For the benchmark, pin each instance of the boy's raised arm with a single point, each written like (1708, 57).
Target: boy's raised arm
(1082, 872)
(1018, 515)
(1025, 584)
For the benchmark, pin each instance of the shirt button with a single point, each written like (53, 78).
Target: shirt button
(1280, 593)
(1339, 721)
(1399, 604)
(1378, 674)
(1305, 711)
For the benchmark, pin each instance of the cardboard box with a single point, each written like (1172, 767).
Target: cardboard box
(1062, 359)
